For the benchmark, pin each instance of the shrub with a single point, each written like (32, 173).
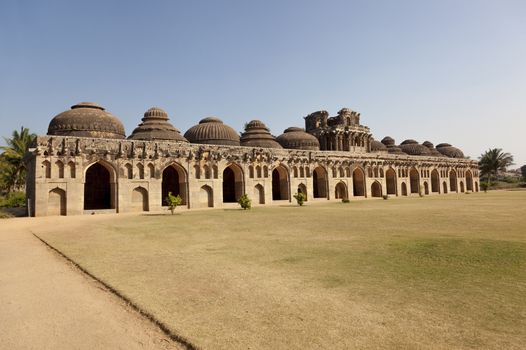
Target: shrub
(385, 197)
(173, 201)
(300, 198)
(5, 215)
(421, 191)
(245, 202)
(345, 200)
(14, 200)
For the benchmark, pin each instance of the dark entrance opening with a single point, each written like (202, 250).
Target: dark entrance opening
(97, 188)
(229, 186)
(276, 185)
(170, 183)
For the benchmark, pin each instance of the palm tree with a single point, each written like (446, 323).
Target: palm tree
(494, 161)
(12, 159)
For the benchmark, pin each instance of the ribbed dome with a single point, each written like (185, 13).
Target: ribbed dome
(395, 150)
(87, 119)
(388, 141)
(155, 126)
(297, 138)
(432, 149)
(258, 135)
(450, 151)
(377, 146)
(413, 148)
(212, 131)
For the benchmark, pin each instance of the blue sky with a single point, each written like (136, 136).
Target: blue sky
(444, 71)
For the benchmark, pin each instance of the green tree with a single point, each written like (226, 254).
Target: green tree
(494, 161)
(523, 172)
(245, 202)
(300, 198)
(173, 201)
(12, 170)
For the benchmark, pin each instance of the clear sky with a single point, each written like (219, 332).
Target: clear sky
(443, 70)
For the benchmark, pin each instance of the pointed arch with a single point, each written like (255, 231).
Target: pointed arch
(250, 171)
(340, 191)
(208, 172)
(280, 183)
(233, 183)
(60, 169)
(453, 181)
(444, 187)
(358, 183)
(129, 170)
(319, 182)
(99, 186)
(295, 171)
(151, 170)
(469, 181)
(302, 172)
(259, 194)
(72, 169)
(174, 180)
(404, 189)
(139, 199)
(376, 189)
(56, 204)
(390, 179)
(206, 196)
(46, 165)
(414, 180)
(462, 187)
(426, 188)
(140, 170)
(435, 181)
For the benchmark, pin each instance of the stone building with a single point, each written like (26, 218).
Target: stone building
(86, 164)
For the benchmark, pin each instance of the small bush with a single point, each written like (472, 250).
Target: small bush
(385, 197)
(14, 200)
(173, 201)
(245, 202)
(5, 215)
(345, 200)
(300, 198)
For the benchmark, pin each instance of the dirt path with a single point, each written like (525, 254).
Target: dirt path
(46, 303)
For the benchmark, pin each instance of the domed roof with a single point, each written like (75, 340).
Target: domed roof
(413, 148)
(212, 131)
(432, 149)
(87, 119)
(449, 151)
(297, 138)
(388, 141)
(155, 126)
(377, 146)
(395, 150)
(258, 135)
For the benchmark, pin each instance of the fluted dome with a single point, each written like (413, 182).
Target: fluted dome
(432, 149)
(297, 138)
(395, 150)
(388, 141)
(377, 146)
(413, 148)
(212, 131)
(155, 126)
(258, 135)
(450, 151)
(87, 119)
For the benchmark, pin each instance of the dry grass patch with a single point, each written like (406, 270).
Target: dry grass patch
(433, 272)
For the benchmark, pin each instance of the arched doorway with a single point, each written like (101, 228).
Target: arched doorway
(390, 179)
(139, 199)
(376, 189)
(319, 182)
(280, 183)
(340, 191)
(303, 189)
(404, 189)
(426, 188)
(469, 181)
(259, 194)
(462, 187)
(453, 181)
(414, 180)
(56, 204)
(99, 188)
(206, 196)
(444, 187)
(174, 180)
(435, 181)
(232, 183)
(358, 182)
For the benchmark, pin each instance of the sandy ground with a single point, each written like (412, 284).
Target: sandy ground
(47, 303)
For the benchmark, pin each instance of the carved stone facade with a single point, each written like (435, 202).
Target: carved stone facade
(72, 175)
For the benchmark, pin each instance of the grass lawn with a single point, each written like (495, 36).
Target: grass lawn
(440, 272)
